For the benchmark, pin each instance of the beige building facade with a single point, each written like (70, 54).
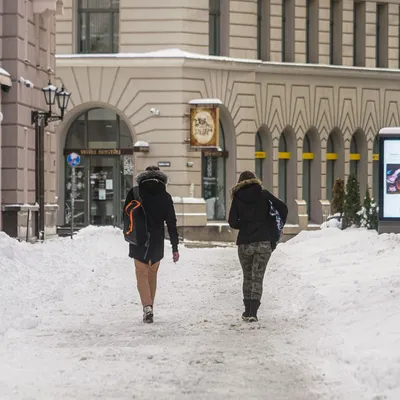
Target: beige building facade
(303, 87)
(27, 48)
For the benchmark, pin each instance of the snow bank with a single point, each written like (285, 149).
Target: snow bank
(347, 285)
(329, 321)
(35, 275)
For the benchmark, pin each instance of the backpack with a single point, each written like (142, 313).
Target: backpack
(279, 223)
(135, 221)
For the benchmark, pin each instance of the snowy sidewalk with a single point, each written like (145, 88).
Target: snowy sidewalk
(70, 322)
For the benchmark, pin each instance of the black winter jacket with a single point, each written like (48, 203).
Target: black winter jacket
(250, 213)
(159, 208)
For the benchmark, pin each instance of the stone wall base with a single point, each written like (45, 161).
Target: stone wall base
(19, 221)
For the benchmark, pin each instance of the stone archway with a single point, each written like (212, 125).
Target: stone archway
(104, 138)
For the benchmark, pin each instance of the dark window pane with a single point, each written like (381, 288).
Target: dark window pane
(100, 33)
(102, 129)
(76, 134)
(99, 4)
(115, 33)
(126, 137)
(82, 33)
(331, 147)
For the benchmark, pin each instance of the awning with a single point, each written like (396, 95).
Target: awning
(5, 78)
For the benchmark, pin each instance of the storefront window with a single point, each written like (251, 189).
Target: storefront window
(282, 168)
(106, 171)
(330, 168)
(259, 161)
(214, 180)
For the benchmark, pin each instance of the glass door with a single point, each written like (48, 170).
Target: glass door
(103, 196)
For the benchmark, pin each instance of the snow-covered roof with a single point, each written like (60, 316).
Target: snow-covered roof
(5, 78)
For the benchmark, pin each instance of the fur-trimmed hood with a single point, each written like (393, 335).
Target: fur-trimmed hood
(244, 184)
(152, 175)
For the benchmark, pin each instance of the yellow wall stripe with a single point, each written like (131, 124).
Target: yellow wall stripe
(260, 154)
(375, 157)
(355, 157)
(284, 155)
(308, 156)
(331, 156)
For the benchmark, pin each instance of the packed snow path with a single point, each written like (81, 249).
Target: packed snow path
(70, 326)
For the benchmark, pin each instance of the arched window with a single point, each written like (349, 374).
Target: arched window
(259, 161)
(331, 158)
(307, 173)
(98, 26)
(283, 167)
(354, 157)
(214, 180)
(105, 173)
(375, 170)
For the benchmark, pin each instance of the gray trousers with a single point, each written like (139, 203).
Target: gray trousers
(254, 258)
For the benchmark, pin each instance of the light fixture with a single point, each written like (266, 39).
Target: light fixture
(63, 99)
(50, 93)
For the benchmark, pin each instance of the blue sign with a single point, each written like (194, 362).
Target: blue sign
(73, 159)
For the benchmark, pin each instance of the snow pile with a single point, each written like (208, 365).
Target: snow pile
(333, 221)
(70, 321)
(34, 276)
(347, 285)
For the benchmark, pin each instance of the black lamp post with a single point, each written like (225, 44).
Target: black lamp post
(41, 119)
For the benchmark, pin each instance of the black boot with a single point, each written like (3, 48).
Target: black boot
(254, 306)
(246, 314)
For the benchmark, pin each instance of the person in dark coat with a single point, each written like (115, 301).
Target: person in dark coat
(159, 209)
(257, 238)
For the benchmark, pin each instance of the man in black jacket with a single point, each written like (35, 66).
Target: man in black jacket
(251, 214)
(159, 208)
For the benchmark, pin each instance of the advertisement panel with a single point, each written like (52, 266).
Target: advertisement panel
(390, 171)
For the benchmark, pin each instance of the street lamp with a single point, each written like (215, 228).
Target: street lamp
(41, 119)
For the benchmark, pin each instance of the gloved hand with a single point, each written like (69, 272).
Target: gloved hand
(175, 256)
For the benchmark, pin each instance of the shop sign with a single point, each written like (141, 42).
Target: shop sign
(260, 154)
(204, 127)
(99, 152)
(223, 154)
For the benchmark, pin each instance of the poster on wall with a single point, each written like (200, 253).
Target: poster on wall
(204, 127)
(391, 179)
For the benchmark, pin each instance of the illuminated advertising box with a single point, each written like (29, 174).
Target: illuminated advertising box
(389, 180)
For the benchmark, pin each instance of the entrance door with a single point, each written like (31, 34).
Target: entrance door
(104, 199)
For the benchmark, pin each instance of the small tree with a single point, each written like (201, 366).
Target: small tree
(337, 205)
(352, 203)
(369, 213)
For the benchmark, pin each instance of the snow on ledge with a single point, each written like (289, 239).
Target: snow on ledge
(176, 53)
(204, 101)
(188, 200)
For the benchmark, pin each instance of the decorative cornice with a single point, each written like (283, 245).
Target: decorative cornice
(179, 58)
